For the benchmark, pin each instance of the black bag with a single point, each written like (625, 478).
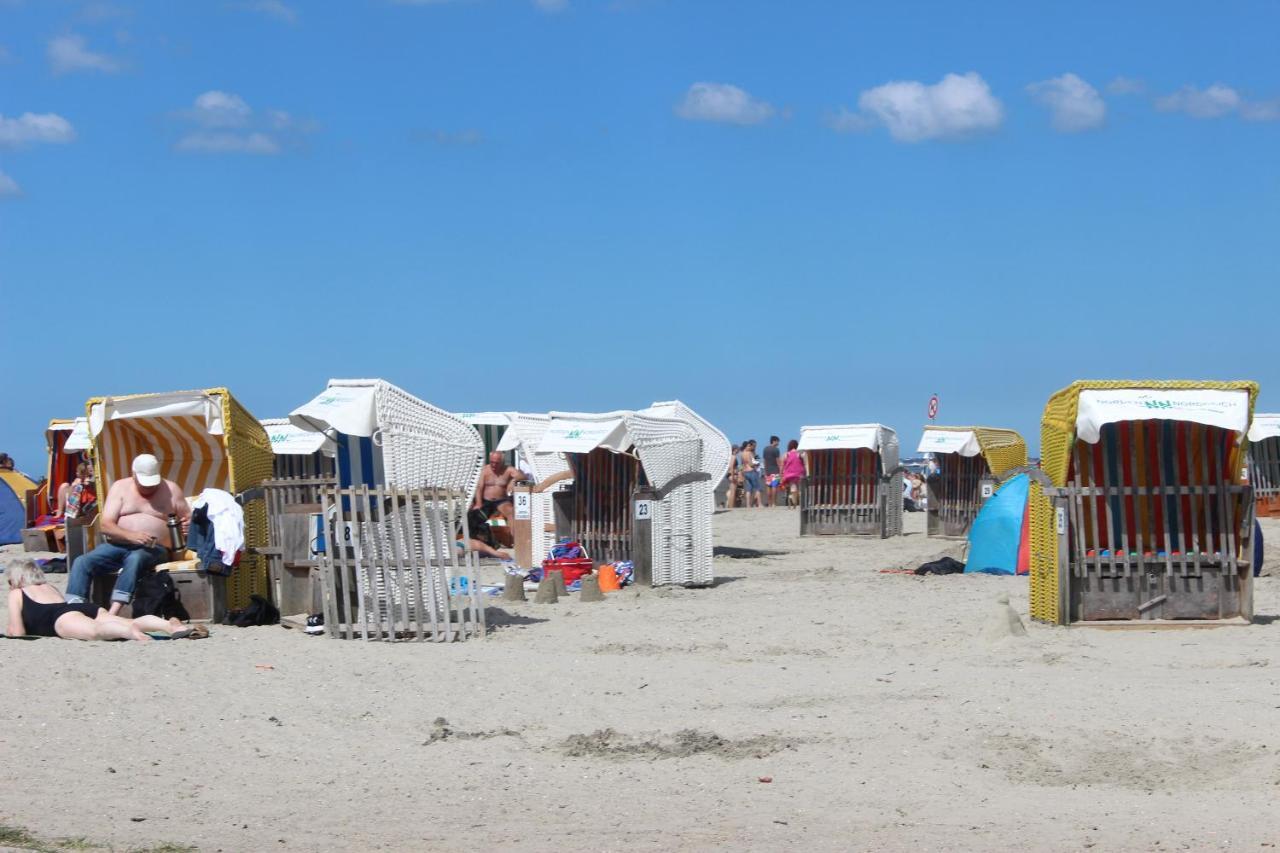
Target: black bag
(944, 566)
(156, 595)
(259, 612)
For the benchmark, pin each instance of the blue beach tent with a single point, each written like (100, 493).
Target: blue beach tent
(997, 536)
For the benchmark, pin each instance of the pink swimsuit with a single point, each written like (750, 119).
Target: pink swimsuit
(792, 466)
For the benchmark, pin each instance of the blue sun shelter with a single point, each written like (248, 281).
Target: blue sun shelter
(998, 538)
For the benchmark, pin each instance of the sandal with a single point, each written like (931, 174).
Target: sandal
(199, 632)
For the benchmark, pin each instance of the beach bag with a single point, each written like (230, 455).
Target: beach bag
(156, 595)
(259, 612)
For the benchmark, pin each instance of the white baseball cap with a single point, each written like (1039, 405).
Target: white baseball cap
(146, 470)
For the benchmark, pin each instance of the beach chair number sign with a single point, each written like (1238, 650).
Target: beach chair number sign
(644, 510)
(522, 504)
(987, 490)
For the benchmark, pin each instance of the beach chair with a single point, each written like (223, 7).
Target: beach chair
(385, 436)
(67, 442)
(203, 439)
(971, 462)
(1142, 512)
(854, 483)
(641, 490)
(406, 470)
(1264, 463)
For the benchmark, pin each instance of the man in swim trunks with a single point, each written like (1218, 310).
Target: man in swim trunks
(494, 491)
(135, 524)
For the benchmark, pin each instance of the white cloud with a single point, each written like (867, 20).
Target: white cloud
(277, 9)
(69, 53)
(845, 120)
(9, 187)
(219, 109)
(1127, 86)
(551, 5)
(227, 142)
(224, 123)
(956, 106)
(1261, 110)
(721, 102)
(33, 128)
(1075, 105)
(1214, 102)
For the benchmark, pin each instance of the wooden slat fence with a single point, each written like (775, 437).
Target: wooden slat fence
(955, 494)
(844, 493)
(388, 562)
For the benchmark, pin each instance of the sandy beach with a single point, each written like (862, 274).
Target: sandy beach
(807, 701)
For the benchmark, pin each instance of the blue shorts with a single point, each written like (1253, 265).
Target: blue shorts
(751, 481)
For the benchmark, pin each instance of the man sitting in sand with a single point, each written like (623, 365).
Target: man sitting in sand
(494, 491)
(135, 523)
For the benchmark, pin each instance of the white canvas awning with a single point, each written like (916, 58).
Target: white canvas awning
(1264, 426)
(845, 437)
(79, 438)
(1226, 409)
(486, 418)
(570, 435)
(288, 439)
(350, 409)
(177, 404)
(962, 441)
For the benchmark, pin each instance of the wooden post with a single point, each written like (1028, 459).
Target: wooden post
(522, 524)
(642, 534)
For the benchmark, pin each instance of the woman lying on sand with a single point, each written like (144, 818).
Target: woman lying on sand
(37, 609)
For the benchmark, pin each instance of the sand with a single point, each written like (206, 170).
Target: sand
(806, 701)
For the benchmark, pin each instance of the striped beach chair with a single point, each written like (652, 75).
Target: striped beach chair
(1264, 462)
(854, 484)
(203, 439)
(1143, 512)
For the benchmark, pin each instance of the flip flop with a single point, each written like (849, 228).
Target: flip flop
(198, 632)
(180, 634)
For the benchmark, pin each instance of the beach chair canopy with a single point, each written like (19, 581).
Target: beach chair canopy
(1002, 449)
(66, 441)
(287, 439)
(1227, 408)
(667, 447)
(203, 439)
(73, 434)
(385, 436)
(522, 433)
(877, 438)
(717, 451)
(1264, 427)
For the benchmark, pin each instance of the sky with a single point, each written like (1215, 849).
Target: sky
(781, 213)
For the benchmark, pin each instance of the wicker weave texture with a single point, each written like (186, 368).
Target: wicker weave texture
(1057, 438)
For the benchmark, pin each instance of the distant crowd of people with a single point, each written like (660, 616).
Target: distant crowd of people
(769, 477)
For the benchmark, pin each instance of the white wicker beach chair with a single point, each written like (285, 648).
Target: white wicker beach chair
(670, 453)
(387, 436)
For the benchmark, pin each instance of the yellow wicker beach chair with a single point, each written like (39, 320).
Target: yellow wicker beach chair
(967, 457)
(203, 439)
(1145, 516)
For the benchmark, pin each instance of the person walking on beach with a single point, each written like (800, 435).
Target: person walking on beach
(731, 493)
(793, 471)
(772, 470)
(750, 467)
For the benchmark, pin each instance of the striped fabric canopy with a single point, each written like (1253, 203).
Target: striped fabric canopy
(189, 455)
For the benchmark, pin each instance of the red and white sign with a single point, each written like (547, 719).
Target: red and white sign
(933, 407)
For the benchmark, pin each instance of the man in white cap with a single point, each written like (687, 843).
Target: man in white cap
(135, 527)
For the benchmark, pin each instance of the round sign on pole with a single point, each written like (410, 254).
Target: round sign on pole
(933, 407)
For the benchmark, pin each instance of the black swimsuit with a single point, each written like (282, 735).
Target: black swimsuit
(39, 618)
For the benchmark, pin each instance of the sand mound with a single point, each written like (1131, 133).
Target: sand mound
(612, 744)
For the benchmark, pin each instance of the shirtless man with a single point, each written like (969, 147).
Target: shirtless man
(494, 491)
(135, 524)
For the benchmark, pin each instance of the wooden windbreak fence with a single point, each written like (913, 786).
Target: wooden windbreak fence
(843, 493)
(1154, 524)
(1264, 474)
(600, 502)
(955, 494)
(291, 540)
(391, 569)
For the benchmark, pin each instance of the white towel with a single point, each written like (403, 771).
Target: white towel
(227, 518)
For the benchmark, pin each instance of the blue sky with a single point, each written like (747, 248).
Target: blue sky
(782, 213)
